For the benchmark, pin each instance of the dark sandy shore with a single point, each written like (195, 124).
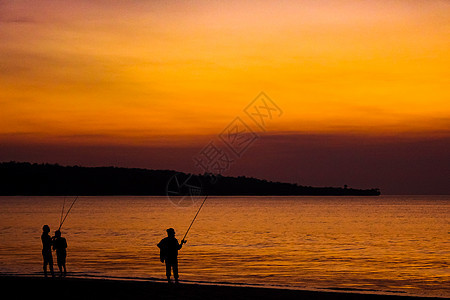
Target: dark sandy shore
(78, 288)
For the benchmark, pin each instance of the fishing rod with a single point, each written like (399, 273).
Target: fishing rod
(195, 217)
(60, 225)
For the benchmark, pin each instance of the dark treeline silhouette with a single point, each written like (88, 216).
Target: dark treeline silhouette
(21, 178)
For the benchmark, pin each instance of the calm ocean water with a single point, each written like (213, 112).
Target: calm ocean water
(394, 244)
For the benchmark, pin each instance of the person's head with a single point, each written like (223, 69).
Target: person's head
(58, 233)
(170, 232)
(46, 228)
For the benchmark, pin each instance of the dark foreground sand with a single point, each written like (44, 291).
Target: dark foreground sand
(77, 288)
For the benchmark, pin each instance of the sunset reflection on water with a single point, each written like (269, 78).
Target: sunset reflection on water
(388, 243)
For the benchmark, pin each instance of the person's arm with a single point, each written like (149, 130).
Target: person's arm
(52, 242)
(181, 244)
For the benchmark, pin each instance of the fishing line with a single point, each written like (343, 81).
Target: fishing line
(68, 212)
(62, 212)
(195, 217)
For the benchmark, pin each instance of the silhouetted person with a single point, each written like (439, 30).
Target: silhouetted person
(169, 253)
(60, 245)
(47, 250)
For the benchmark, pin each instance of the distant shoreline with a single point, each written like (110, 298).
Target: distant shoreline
(26, 179)
(82, 288)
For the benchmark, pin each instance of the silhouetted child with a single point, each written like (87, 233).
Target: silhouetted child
(169, 253)
(60, 245)
(47, 250)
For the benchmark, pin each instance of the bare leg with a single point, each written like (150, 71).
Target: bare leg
(51, 268)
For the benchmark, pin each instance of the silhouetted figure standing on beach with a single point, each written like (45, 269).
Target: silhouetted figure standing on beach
(47, 250)
(60, 245)
(169, 253)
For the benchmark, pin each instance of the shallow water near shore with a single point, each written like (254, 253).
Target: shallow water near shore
(383, 244)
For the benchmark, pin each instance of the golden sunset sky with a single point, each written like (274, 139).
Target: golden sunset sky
(175, 73)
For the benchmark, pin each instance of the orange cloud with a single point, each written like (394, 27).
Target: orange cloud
(172, 73)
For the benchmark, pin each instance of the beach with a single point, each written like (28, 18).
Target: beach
(79, 288)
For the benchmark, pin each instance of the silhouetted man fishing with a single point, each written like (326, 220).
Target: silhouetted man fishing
(169, 247)
(60, 245)
(47, 250)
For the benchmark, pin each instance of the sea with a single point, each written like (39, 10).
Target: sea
(387, 244)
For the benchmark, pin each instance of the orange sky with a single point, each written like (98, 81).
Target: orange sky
(131, 72)
(149, 83)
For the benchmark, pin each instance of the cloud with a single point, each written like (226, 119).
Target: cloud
(18, 20)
